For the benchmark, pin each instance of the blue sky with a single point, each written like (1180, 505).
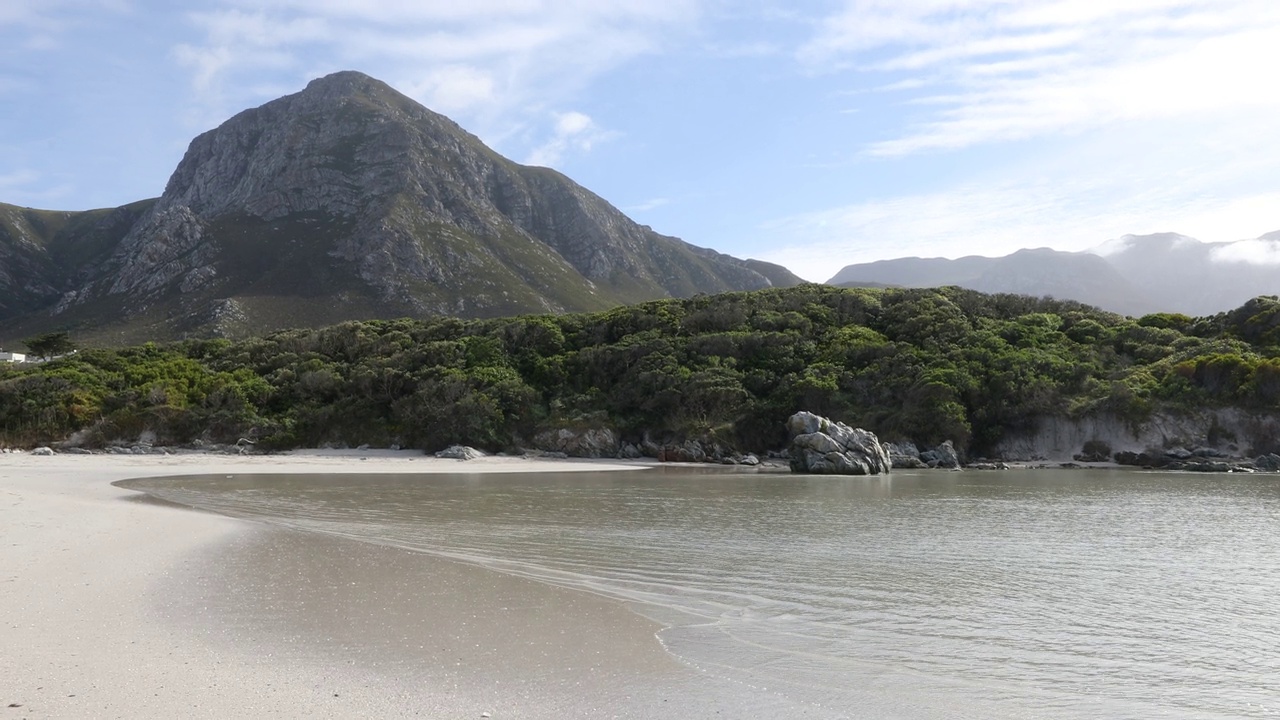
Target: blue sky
(812, 134)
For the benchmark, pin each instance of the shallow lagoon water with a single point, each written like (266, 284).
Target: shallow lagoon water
(1016, 594)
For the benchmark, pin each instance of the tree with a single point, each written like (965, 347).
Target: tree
(50, 344)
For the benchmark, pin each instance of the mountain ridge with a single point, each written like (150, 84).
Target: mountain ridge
(1131, 275)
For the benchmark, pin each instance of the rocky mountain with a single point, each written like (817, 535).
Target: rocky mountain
(44, 253)
(1133, 275)
(346, 200)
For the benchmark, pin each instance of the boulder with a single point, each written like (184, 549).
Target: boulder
(1214, 466)
(688, 451)
(1094, 451)
(649, 448)
(588, 443)
(987, 465)
(460, 452)
(904, 455)
(1267, 463)
(42, 451)
(943, 456)
(821, 446)
(1143, 459)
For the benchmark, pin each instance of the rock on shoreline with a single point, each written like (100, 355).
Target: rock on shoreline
(820, 446)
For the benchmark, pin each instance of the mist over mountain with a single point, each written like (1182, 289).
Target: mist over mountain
(347, 200)
(1132, 275)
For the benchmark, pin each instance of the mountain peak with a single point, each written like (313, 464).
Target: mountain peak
(351, 84)
(349, 199)
(353, 79)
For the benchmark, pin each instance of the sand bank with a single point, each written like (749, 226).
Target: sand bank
(113, 606)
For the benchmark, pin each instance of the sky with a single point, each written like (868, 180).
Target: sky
(811, 134)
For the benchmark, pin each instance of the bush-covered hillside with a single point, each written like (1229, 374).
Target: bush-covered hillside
(925, 365)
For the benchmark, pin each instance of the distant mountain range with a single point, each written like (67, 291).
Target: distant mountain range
(347, 200)
(1134, 275)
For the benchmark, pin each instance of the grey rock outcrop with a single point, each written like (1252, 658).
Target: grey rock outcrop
(459, 452)
(1211, 432)
(822, 446)
(1267, 463)
(904, 455)
(167, 246)
(585, 443)
(943, 456)
(705, 450)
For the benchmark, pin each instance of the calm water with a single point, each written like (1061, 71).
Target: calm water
(1019, 594)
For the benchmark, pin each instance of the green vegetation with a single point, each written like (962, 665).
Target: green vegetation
(50, 344)
(925, 365)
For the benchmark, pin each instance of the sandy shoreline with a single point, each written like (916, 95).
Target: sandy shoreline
(116, 607)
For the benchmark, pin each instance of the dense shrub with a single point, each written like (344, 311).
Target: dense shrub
(925, 365)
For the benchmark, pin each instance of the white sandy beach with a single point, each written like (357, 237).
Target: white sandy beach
(114, 607)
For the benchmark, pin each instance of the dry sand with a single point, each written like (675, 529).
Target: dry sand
(115, 606)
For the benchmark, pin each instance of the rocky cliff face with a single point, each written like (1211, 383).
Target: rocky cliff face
(26, 271)
(350, 200)
(1234, 432)
(46, 255)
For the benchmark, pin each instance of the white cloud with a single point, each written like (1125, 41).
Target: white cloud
(42, 42)
(237, 40)
(647, 205)
(758, 49)
(1130, 116)
(26, 187)
(994, 222)
(44, 23)
(1073, 200)
(454, 88)
(572, 131)
(17, 12)
(1257, 251)
(1120, 244)
(17, 179)
(491, 64)
(400, 12)
(1000, 70)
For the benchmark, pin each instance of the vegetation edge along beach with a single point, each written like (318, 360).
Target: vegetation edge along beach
(714, 374)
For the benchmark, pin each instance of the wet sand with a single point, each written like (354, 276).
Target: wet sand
(116, 606)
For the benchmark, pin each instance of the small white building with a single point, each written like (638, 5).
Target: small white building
(12, 357)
